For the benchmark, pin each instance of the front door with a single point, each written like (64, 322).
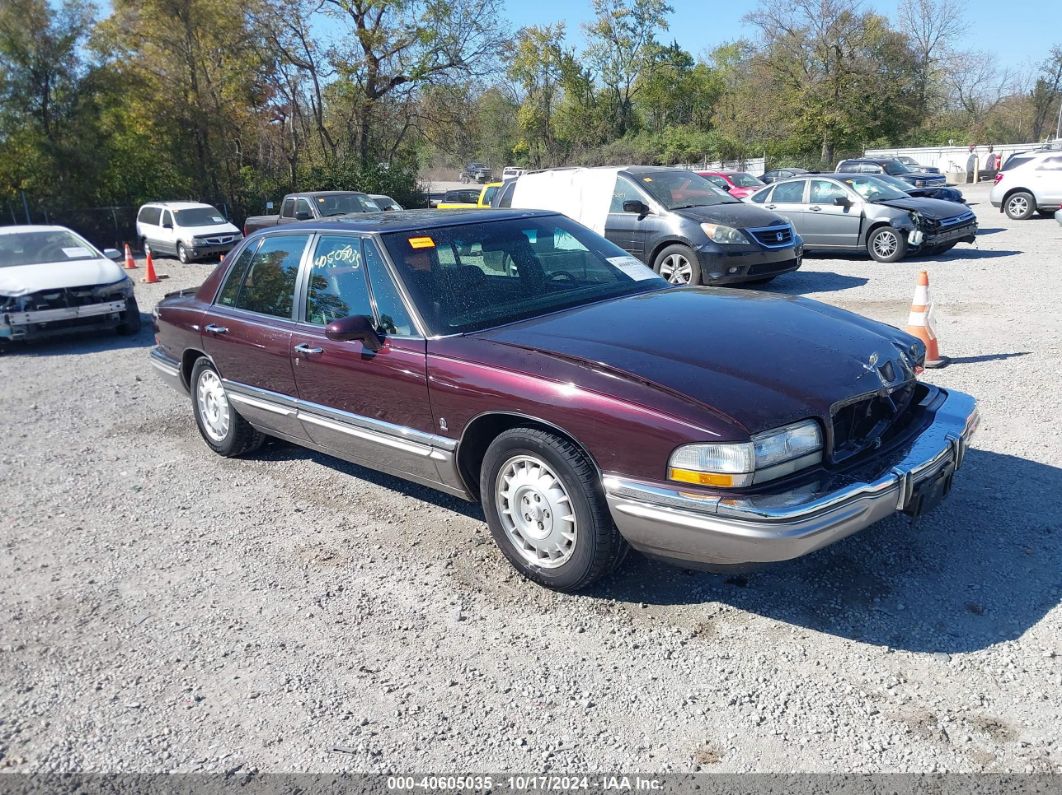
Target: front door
(787, 200)
(626, 230)
(167, 234)
(368, 406)
(248, 330)
(827, 224)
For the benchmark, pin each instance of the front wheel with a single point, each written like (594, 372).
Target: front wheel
(678, 264)
(222, 428)
(1019, 206)
(130, 323)
(182, 254)
(886, 244)
(546, 511)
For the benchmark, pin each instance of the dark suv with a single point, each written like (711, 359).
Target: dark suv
(892, 167)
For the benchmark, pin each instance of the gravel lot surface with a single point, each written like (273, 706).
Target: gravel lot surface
(163, 608)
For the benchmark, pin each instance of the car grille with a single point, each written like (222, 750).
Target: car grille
(773, 236)
(869, 422)
(214, 240)
(65, 298)
(958, 220)
(765, 268)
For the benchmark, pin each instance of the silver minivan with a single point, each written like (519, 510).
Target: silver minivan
(187, 230)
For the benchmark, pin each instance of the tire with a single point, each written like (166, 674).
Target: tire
(527, 469)
(222, 428)
(678, 264)
(130, 323)
(1019, 205)
(182, 254)
(886, 244)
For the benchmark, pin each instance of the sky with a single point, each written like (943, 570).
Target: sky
(1019, 33)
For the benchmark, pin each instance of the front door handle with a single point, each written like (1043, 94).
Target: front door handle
(216, 329)
(771, 206)
(815, 208)
(306, 350)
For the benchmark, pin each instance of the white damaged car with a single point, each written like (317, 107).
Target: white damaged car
(53, 282)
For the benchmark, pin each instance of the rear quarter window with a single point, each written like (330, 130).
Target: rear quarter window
(149, 215)
(1014, 162)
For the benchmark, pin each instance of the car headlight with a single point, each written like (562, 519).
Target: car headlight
(920, 183)
(718, 233)
(767, 456)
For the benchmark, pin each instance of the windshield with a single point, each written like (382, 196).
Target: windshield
(343, 203)
(895, 167)
(199, 216)
(476, 276)
(896, 182)
(45, 246)
(743, 180)
(873, 188)
(677, 189)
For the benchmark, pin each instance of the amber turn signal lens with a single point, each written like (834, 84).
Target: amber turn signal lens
(700, 478)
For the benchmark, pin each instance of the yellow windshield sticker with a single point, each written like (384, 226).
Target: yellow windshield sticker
(421, 242)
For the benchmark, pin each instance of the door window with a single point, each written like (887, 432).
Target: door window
(167, 220)
(789, 192)
(624, 192)
(1050, 164)
(390, 309)
(337, 286)
(824, 192)
(303, 207)
(287, 209)
(762, 195)
(231, 288)
(268, 286)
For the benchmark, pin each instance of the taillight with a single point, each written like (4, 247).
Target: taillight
(245, 230)
(999, 176)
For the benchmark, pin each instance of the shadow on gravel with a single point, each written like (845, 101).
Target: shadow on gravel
(991, 230)
(802, 282)
(988, 357)
(85, 342)
(963, 254)
(279, 450)
(981, 569)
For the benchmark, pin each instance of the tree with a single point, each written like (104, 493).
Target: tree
(537, 67)
(621, 42)
(399, 45)
(1047, 94)
(931, 26)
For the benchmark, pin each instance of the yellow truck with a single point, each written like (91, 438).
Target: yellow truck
(467, 199)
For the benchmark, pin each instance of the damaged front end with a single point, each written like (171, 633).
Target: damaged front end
(47, 313)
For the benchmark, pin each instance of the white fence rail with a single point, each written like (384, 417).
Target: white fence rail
(753, 165)
(950, 159)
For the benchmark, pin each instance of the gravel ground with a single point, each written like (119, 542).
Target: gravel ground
(167, 609)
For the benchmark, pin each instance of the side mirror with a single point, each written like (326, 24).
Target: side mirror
(842, 201)
(355, 327)
(113, 253)
(303, 215)
(635, 206)
(167, 224)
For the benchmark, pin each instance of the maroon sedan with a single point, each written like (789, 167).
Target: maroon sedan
(519, 359)
(738, 184)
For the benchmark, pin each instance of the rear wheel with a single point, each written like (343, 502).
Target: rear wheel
(1019, 206)
(678, 264)
(222, 428)
(886, 244)
(546, 511)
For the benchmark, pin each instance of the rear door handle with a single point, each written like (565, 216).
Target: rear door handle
(306, 350)
(216, 329)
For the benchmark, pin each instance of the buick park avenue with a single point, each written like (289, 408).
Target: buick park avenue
(519, 359)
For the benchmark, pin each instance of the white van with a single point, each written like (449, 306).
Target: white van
(188, 230)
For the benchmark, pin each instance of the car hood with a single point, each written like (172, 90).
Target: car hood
(931, 208)
(22, 279)
(737, 214)
(214, 229)
(761, 360)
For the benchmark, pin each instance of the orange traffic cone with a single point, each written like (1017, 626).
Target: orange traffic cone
(130, 264)
(920, 324)
(149, 276)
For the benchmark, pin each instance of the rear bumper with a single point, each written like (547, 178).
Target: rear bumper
(62, 320)
(168, 368)
(720, 266)
(667, 522)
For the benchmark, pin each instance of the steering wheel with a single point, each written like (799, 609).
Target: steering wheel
(561, 276)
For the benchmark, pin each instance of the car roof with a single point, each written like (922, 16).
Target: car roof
(411, 220)
(14, 230)
(178, 205)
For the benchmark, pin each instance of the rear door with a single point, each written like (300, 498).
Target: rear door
(1047, 181)
(623, 228)
(369, 406)
(827, 224)
(248, 330)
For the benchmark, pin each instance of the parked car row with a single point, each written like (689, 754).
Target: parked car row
(513, 359)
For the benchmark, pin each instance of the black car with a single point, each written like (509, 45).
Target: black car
(946, 193)
(776, 174)
(894, 168)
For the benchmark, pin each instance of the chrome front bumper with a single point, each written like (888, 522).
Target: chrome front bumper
(667, 522)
